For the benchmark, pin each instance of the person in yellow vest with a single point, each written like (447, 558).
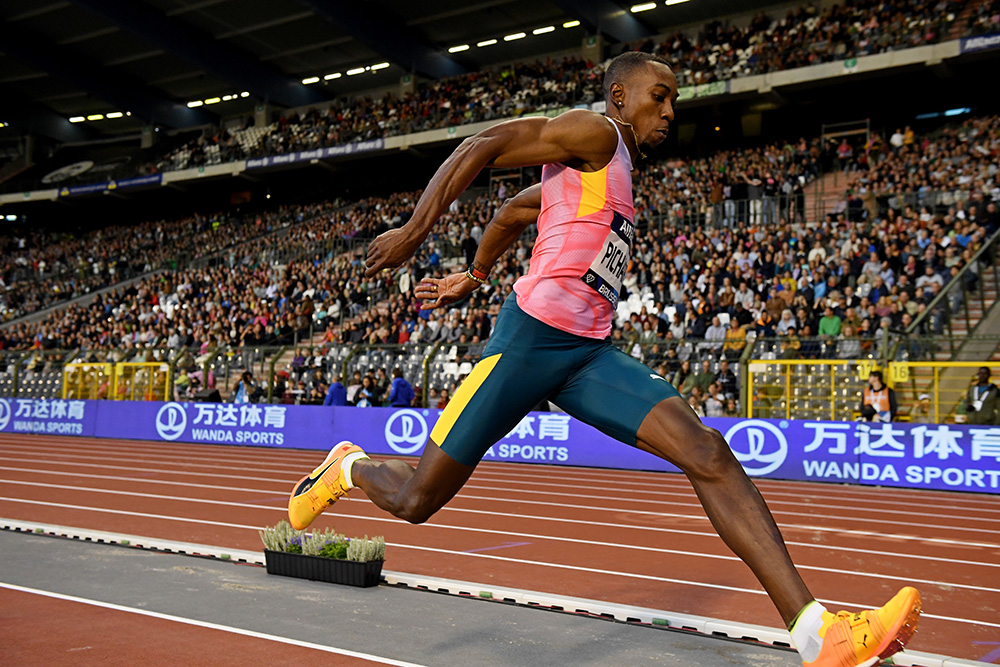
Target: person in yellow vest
(878, 403)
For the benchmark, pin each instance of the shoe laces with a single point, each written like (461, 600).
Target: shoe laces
(853, 618)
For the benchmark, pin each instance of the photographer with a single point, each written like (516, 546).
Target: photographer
(246, 390)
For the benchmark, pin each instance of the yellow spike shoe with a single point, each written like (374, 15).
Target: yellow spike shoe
(322, 487)
(867, 637)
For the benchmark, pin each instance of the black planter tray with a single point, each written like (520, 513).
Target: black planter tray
(330, 570)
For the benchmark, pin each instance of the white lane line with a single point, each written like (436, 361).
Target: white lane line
(702, 624)
(668, 580)
(534, 536)
(710, 535)
(509, 498)
(657, 479)
(699, 517)
(619, 524)
(285, 454)
(210, 626)
(512, 492)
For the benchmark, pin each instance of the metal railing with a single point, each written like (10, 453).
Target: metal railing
(952, 302)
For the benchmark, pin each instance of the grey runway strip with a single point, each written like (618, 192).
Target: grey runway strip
(397, 623)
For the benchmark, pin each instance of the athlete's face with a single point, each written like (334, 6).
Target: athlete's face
(648, 102)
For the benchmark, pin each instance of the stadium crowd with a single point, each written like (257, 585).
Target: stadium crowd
(40, 268)
(696, 291)
(802, 37)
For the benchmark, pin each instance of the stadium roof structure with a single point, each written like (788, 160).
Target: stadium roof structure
(115, 67)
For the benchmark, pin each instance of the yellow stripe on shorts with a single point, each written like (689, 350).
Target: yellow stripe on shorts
(462, 397)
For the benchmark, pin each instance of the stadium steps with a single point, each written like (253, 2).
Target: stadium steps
(961, 22)
(823, 194)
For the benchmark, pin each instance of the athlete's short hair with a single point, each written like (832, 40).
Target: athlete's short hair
(623, 65)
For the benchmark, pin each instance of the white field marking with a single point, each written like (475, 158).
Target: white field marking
(147, 480)
(711, 535)
(162, 471)
(673, 479)
(466, 496)
(841, 531)
(227, 463)
(668, 580)
(210, 626)
(676, 552)
(590, 474)
(648, 577)
(653, 529)
(591, 508)
(816, 489)
(524, 597)
(521, 561)
(103, 444)
(489, 488)
(547, 485)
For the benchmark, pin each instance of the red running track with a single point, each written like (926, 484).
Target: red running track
(625, 537)
(35, 632)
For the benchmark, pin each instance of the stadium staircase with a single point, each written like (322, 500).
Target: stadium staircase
(961, 22)
(823, 195)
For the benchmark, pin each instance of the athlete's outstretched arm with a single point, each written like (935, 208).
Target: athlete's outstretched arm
(506, 226)
(581, 138)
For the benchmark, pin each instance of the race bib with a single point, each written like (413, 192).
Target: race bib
(607, 271)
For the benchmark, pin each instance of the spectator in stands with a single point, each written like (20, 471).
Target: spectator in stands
(982, 401)
(366, 397)
(726, 379)
(848, 346)
(336, 395)
(696, 405)
(878, 402)
(401, 394)
(443, 399)
(922, 412)
(382, 383)
(246, 389)
(705, 376)
(829, 324)
(715, 336)
(714, 402)
(791, 345)
(354, 388)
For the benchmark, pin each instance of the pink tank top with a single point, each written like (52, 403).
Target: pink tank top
(585, 239)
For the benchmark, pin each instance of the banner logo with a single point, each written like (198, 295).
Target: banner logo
(406, 431)
(763, 443)
(171, 420)
(5, 413)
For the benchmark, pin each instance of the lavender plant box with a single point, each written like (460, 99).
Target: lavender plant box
(330, 570)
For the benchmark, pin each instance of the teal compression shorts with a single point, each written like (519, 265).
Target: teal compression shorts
(527, 361)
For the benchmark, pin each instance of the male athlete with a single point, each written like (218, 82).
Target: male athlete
(550, 341)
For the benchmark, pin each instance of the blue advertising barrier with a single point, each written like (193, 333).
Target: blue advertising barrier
(979, 43)
(91, 188)
(919, 456)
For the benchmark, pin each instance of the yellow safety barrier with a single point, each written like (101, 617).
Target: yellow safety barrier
(831, 389)
(821, 389)
(141, 381)
(87, 380)
(945, 383)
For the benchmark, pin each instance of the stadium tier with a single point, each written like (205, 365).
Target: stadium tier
(856, 245)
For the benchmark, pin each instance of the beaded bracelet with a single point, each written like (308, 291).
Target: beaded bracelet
(477, 274)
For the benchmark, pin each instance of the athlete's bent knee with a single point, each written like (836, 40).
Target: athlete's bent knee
(709, 457)
(415, 508)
